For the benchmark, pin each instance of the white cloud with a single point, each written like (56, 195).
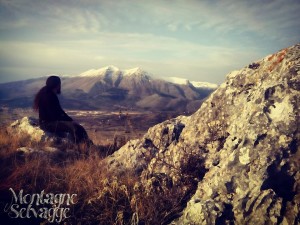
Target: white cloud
(261, 17)
(173, 27)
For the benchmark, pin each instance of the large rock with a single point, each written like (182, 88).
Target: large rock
(50, 146)
(30, 127)
(247, 134)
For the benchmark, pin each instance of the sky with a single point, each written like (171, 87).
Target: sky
(200, 40)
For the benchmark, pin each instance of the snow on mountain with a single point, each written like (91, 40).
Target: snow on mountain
(196, 84)
(99, 72)
(114, 73)
(206, 85)
(134, 71)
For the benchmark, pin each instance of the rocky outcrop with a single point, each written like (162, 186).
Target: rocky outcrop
(246, 136)
(30, 127)
(39, 144)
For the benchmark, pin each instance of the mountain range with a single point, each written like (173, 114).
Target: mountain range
(112, 88)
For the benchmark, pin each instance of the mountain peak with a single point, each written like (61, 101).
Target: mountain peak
(110, 68)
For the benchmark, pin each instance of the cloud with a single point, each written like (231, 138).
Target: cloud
(160, 55)
(167, 37)
(173, 27)
(263, 18)
(274, 19)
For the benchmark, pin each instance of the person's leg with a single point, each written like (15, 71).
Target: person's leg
(58, 127)
(81, 134)
(76, 130)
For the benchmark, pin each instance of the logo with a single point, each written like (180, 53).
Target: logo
(48, 206)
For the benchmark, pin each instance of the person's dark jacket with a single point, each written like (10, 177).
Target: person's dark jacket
(50, 109)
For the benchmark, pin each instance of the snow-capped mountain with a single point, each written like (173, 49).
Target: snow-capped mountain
(114, 71)
(110, 86)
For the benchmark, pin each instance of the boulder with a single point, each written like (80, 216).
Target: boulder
(29, 126)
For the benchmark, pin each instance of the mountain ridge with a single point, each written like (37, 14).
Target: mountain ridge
(139, 71)
(108, 87)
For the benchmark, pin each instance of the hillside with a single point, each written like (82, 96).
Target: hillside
(111, 88)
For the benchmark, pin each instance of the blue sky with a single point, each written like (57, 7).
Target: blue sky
(194, 39)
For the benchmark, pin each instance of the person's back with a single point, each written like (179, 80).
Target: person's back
(52, 117)
(49, 107)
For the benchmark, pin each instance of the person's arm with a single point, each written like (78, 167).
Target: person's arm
(65, 116)
(60, 114)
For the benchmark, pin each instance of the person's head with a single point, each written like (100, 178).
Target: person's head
(53, 83)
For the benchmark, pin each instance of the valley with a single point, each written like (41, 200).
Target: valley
(113, 105)
(103, 127)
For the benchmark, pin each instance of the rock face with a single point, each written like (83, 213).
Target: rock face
(247, 135)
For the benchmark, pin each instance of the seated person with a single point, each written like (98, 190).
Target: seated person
(52, 117)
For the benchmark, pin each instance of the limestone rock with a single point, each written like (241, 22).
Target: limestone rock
(137, 155)
(253, 123)
(247, 134)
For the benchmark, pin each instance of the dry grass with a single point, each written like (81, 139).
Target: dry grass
(102, 198)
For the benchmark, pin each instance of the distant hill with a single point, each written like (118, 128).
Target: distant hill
(112, 88)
